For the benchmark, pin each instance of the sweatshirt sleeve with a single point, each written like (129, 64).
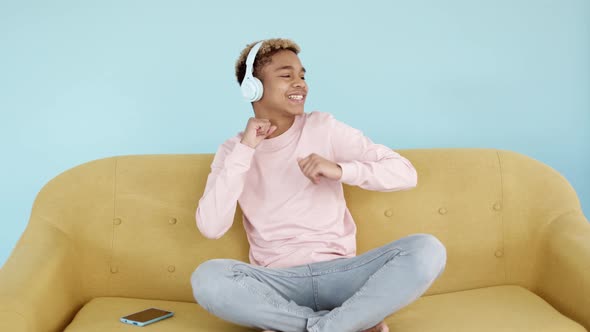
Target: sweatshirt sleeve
(366, 164)
(217, 207)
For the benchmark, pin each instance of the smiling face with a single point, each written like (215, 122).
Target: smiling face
(285, 89)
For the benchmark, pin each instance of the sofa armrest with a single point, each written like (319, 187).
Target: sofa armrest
(563, 270)
(39, 285)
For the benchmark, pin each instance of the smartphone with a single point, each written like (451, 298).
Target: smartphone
(147, 316)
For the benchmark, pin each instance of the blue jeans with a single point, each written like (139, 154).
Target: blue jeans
(347, 294)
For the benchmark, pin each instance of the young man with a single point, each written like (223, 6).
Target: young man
(286, 170)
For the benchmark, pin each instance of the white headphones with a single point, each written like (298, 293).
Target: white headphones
(252, 86)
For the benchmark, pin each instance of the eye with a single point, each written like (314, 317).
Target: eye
(285, 75)
(303, 78)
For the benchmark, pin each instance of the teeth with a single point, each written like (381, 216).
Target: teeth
(296, 97)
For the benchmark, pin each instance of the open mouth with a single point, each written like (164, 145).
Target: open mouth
(298, 99)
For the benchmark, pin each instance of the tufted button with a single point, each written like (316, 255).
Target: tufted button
(171, 268)
(172, 221)
(388, 212)
(497, 206)
(117, 221)
(499, 253)
(442, 210)
(114, 269)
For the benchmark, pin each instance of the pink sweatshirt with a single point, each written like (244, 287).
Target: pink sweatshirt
(288, 219)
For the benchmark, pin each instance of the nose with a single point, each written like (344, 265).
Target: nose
(299, 82)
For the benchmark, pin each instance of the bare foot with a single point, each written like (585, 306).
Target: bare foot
(381, 327)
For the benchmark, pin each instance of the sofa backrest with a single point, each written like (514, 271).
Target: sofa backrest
(131, 219)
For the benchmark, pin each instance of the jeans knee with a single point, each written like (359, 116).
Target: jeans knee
(207, 279)
(433, 255)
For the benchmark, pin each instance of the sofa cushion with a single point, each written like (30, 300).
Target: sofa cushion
(102, 315)
(499, 308)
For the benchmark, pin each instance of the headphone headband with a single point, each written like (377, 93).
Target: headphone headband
(252, 56)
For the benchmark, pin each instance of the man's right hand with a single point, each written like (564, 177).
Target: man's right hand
(257, 130)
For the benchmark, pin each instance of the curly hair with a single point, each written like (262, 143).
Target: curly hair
(263, 57)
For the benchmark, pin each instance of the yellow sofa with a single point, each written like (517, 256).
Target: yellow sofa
(118, 235)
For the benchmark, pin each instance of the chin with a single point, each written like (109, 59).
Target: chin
(298, 112)
(298, 108)
(294, 111)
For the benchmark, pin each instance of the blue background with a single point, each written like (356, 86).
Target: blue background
(83, 80)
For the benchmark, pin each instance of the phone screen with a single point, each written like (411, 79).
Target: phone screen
(147, 315)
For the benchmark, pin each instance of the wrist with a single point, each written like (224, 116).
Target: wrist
(248, 144)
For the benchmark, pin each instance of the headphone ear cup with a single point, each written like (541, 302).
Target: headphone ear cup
(252, 89)
(248, 89)
(258, 90)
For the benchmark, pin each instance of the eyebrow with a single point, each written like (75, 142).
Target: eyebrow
(290, 67)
